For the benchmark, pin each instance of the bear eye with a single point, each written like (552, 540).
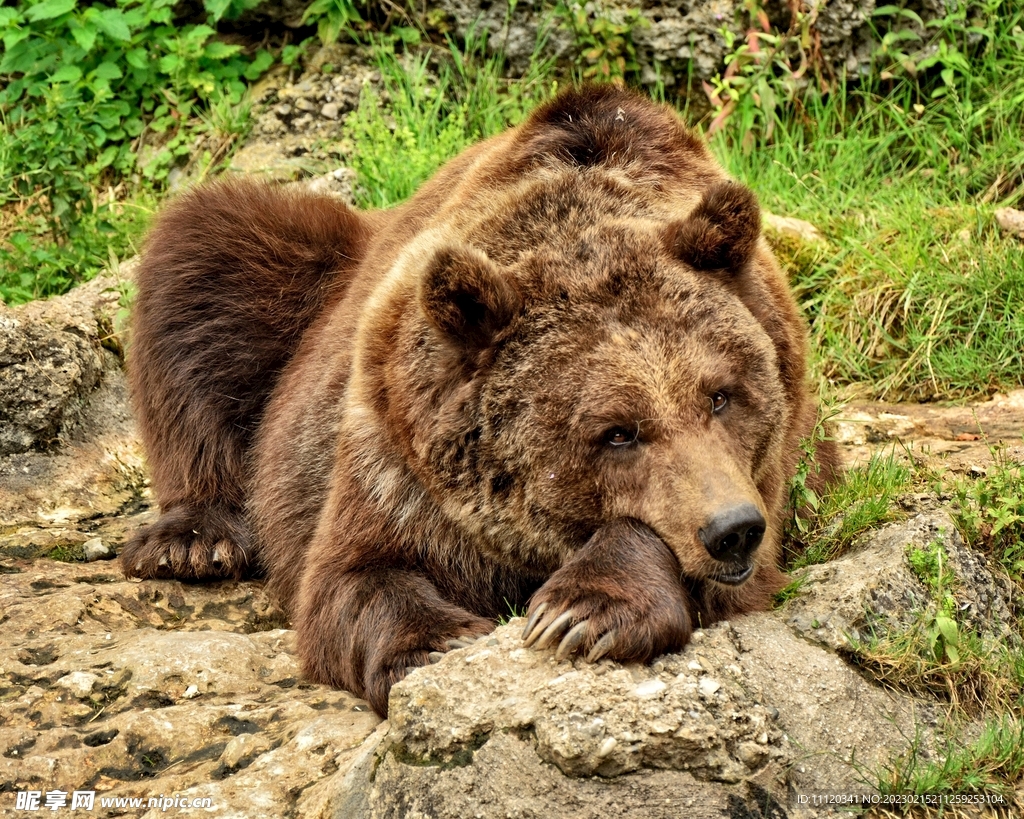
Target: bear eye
(620, 436)
(718, 401)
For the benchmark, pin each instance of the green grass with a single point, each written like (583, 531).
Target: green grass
(915, 294)
(431, 119)
(988, 765)
(862, 500)
(989, 511)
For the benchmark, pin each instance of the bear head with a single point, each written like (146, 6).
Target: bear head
(580, 345)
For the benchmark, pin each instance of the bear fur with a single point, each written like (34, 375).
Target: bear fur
(567, 374)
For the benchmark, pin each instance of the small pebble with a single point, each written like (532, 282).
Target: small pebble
(96, 549)
(330, 110)
(648, 689)
(191, 692)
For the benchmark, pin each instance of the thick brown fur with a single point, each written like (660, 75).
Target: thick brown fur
(568, 372)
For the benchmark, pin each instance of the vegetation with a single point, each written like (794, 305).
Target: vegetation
(913, 294)
(97, 104)
(986, 765)
(823, 528)
(989, 511)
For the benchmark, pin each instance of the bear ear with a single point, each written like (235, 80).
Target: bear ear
(467, 297)
(721, 232)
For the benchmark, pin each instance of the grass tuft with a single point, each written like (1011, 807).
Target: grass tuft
(864, 499)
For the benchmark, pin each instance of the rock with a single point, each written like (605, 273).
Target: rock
(70, 451)
(681, 42)
(194, 689)
(874, 587)
(734, 723)
(96, 549)
(51, 359)
(792, 227)
(300, 128)
(1011, 221)
(338, 183)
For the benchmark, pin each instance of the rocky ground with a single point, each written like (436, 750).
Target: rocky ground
(147, 689)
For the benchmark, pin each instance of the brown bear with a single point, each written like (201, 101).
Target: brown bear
(568, 373)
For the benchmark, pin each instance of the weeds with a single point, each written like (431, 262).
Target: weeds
(915, 295)
(988, 765)
(604, 40)
(863, 499)
(429, 119)
(86, 92)
(989, 511)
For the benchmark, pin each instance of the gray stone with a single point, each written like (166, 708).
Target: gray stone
(680, 42)
(1011, 221)
(71, 448)
(51, 359)
(873, 587)
(97, 673)
(96, 549)
(748, 716)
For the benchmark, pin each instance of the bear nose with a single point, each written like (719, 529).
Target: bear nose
(731, 535)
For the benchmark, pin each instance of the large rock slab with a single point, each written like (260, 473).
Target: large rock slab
(138, 689)
(745, 718)
(874, 588)
(68, 448)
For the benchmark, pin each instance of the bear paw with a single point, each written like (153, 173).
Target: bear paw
(618, 597)
(394, 665)
(190, 543)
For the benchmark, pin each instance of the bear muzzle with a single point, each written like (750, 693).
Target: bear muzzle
(730, 536)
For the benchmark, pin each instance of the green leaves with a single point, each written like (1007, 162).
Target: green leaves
(331, 17)
(112, 22)
(78, 80)
(49, 9)
(69, 73)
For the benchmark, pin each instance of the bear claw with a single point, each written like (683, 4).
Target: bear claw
(602, 646)
(554, 629)
(530, 623)
(572, 640)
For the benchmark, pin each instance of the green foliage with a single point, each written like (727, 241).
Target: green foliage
(82, 88)
(914, 294)
(759, 77)
(936, 652)
(428, 121)
(987, 765)
(603, 40)
(331, 18)
(790, 590)
(822, 528)
(940, 630)
(989, 511)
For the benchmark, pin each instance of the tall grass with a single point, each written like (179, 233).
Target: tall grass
(915, 294)
(431, 114)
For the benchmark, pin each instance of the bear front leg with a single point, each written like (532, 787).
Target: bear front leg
(619, 597)
(364, 630)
